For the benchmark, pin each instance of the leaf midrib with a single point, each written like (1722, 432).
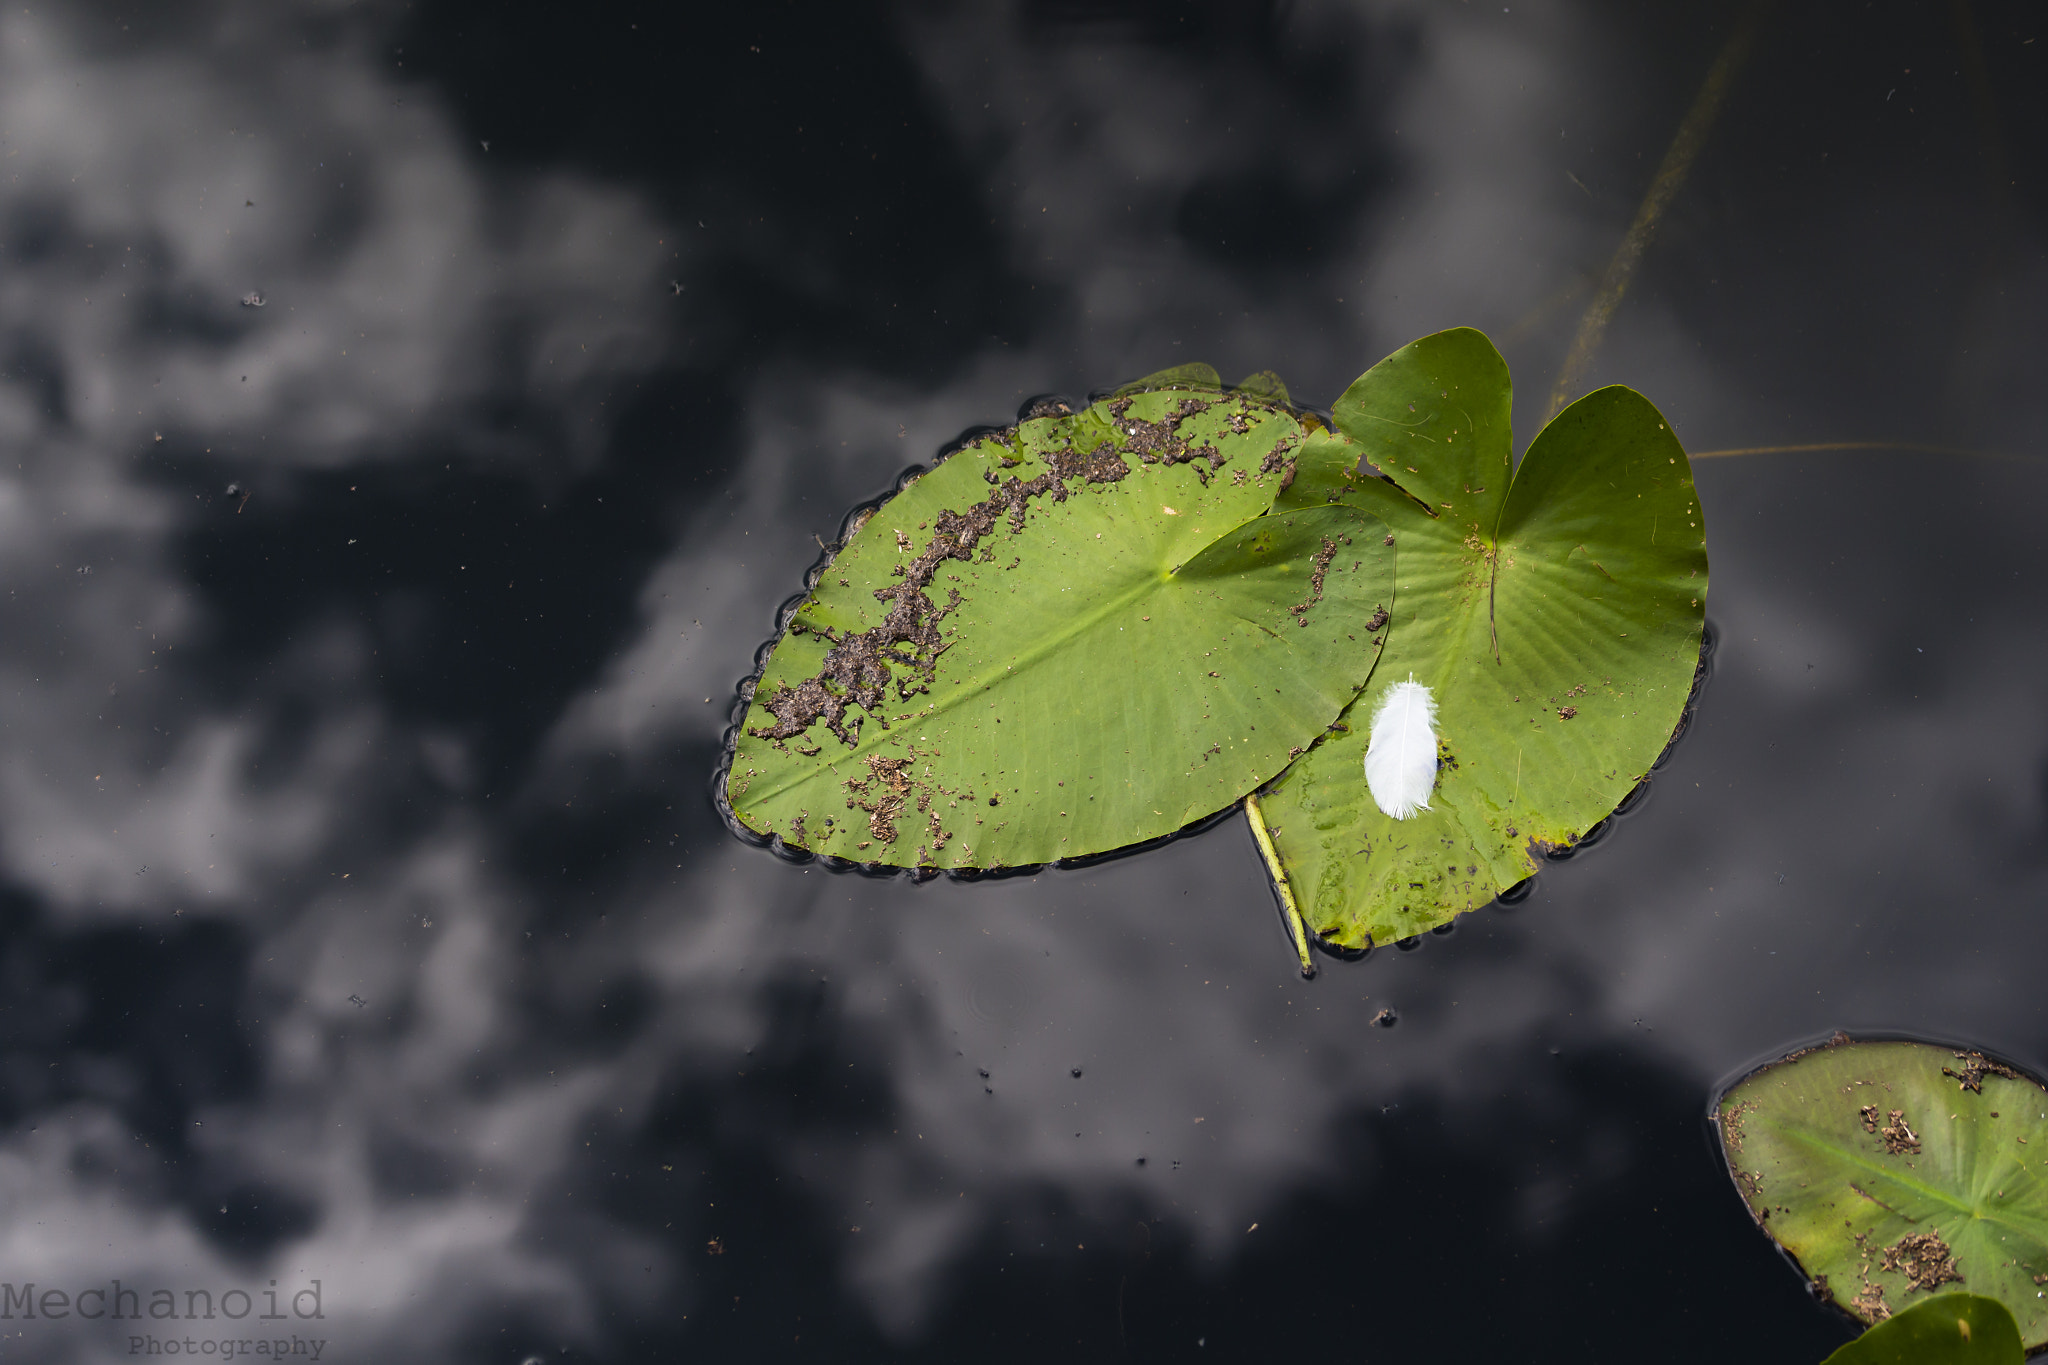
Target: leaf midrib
(1858, 1161)
(1153, 580)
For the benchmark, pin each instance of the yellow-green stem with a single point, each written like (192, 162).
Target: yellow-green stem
(1280, 884)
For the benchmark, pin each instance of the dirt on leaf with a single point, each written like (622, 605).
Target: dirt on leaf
(1160, 443)
(1897, 1135)
(861, 666)
(1731, 1122)
(1924, 1259)
(1976, 1066)
(1869, 1303)
(882, 795)
(1315, 580)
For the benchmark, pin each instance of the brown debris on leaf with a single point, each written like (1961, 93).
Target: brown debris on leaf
(1158, 442)
(1924, 1259)
(1315, 579)
(1976, 1066)
(882, 795)
(1869, 1303)
(1731, 1122)
(859, 668)
(1898, 1135)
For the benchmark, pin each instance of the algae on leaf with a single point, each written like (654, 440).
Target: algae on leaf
(1555, 611)
(1068, 637)
(1891, 1170)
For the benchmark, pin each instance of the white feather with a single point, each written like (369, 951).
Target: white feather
(1400, 759)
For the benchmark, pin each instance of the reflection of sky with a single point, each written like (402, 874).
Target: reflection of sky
(367, 920)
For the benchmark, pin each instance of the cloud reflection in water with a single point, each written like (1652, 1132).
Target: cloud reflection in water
(369, 919)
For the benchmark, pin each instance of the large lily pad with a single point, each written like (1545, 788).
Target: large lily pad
(1555, 610)
(1890, 1170)
(1949, 1329)
(1075, 635)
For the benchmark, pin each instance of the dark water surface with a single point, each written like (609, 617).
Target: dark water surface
(366, 921)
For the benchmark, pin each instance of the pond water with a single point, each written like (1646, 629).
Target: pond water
(419, 410)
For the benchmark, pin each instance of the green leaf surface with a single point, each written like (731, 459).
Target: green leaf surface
(1067, 638)
(1949, 1329)
(1555, 612)
(1887, 1177)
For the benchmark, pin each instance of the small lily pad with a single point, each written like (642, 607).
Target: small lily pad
(1893, 1170)
(1949, 1329)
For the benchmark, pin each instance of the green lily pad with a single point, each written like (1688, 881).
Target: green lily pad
(1949, 1329)
(1554, 610)
(1889, 1170)
(1075, 635)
